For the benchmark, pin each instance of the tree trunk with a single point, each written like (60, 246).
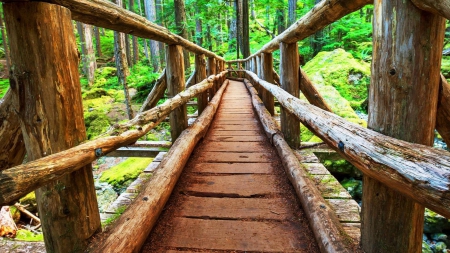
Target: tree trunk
(181, 24)
(122, 66)
(232, 31)
(405, 77)
(211, 70)
(198, 27)
(161, 22)
(91, 63)
(292, 14)
(289, 66)
(200, 75)
(134, 39)
(80, 31)
(5, 46)
(97, 41)
(267, 75)
(317, 41)
(150, 13)
(281, 20)
(176, 84)
(245, 30)
(43, 51)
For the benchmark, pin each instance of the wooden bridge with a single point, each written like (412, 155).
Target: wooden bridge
(232, 181)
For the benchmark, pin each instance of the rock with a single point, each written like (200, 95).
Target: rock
(439, 237)
(435, 223)
(105, 196)
(426, 248)
(439, 247)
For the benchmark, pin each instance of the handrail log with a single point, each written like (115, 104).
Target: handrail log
(439, 7)
(16, 182)
(108, 15)
(321, 15)
(417, 171)
(443, 111)
(143, 213)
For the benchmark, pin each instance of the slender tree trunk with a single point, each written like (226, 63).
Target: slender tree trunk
(91, 63)
(292, 15)
(208, 38)
(161, 22)
(98, 41)
(122, 67)
(134, 39)
(198, 27)
(5, 46)
(45, 59)
(180, 22)
(281, 22)
(317, 40)
(150, 13)
(238, 9)
(144, 40)
(233, 30)
(403, 96)
(80, 31)
(245, 30)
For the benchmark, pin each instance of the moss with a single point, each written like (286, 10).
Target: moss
(25, 235)
(349, 76)
(29, 201)
(4, 86)
(15, 213)
(445, 66)
(126, 171)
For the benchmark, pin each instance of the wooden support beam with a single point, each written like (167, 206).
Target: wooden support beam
(18, 181)
(417, 171)
(143, 213)
(156, 93)
(276, 77)
(439, 7)
(12, 147)
(200, 74)
(407, 51)
(176, 84)
(267, 75)
(311, 93)
(211, 70)
(324, 222)
(46, 86)
(443, 111)
(289, 79)
(191, 79)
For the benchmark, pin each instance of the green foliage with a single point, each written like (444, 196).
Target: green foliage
(4, 86)
(125, 172)
(25, 235)
(142, 78)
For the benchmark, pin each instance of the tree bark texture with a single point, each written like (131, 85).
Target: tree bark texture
(90, 61)
(200, 75)
(176, 84)
(292, 12)
(97, 41)
(267, 75)
(289, 79)
(181, 24)
(156, 93)
(134, 39)
(150, 13)
(443, 111)
(403, 100)
(18, 181)
(46, 87)
(440, 7)
(417, 171)
(245, 46)
(143, 213)
(12, 147)
(211, 70)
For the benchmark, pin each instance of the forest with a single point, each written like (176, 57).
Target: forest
(118, 71)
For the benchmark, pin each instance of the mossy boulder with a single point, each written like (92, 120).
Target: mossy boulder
(435, 223)
(121, 175)
(349, 76)
(25, 235)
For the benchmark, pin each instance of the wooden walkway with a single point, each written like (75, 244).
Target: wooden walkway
(233, 195)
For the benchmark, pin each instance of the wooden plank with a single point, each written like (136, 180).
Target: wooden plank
(136, 152)
(236, 138)
(234, 208)
(235, 157)
(353, 230)
(236, 235)
(233, 168)
(253, 127)
(232, 185)
(213, 132)
(330, 187)
(152, 167)
(347, 210)
(159, 157)
(234, 147)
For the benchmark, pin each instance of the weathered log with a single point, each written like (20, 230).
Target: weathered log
(289, 65)
(211, 70)
(324, 222)
(443, 111)
(417, 171)
(175, 84)
(266, 74)
(12, 147)
(18, 181)
(311, 93)
(26, 212)
(276, 77)
(156, 94)
(8, 227)
(191, 80)
(45, 59)
(108, 15)
(200, 74)
(143, 213)
(439, 7)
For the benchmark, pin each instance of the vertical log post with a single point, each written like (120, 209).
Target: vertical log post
(200, 75)
(211, 70)
(255, 70)
(407, 49)
(289, 65)
(176, 84)
(45, 83)
(267, 75)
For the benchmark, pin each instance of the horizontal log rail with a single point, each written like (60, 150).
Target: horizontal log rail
(323, 14)
(419, 172)
(439, 7)
(108, 15)
(17, 181)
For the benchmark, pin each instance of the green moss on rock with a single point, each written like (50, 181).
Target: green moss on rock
(125, 172)
(25, 235)
(29, 201)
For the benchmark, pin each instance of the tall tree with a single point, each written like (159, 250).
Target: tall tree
(5, 44)
(245, 41)
(97, 41)
(145, 41)
(198, 26)
(88, 60)
(232, 29)
(134, 39)
(121, 64)
(238, 11)
(160, 21)
(280, 17)
(150, 13)
(292, 14)
(180, 23)
(318, 39)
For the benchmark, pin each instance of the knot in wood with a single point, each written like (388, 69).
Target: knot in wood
(341, 146)
(98, 152)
